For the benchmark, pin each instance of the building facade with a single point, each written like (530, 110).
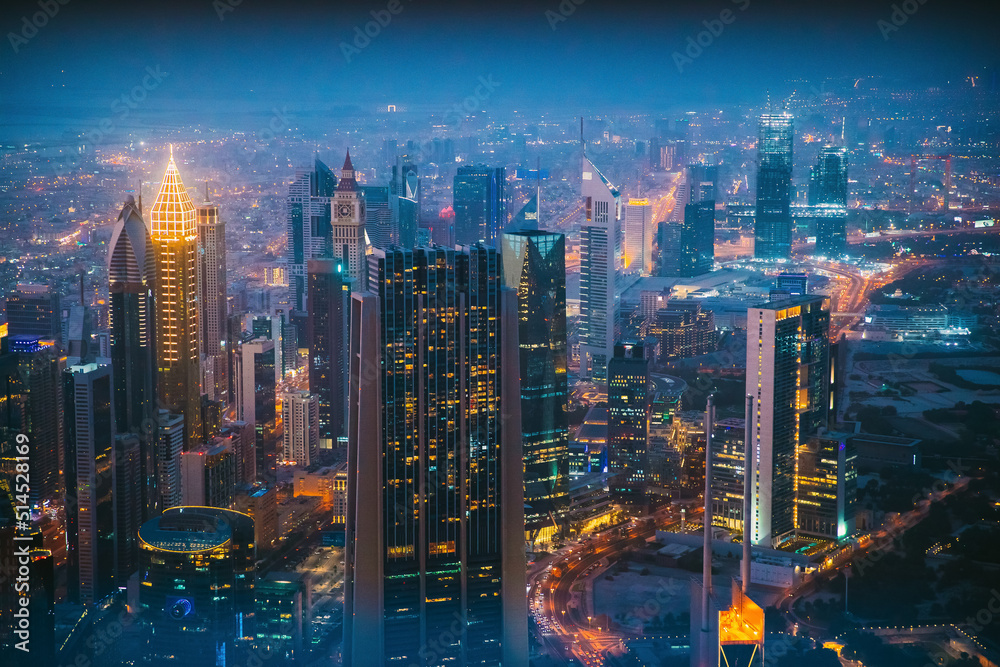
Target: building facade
(326, 327)
(773, 227)
(308, 225)
(214, 310)
(628, 422)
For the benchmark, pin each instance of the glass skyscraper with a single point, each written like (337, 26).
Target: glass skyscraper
(327, 348)
(534, 265)
(828, 193)
(435, 570)
(308, 225)
(697, 239)
(773, 230)
(480, 203)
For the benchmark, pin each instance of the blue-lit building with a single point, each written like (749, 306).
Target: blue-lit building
(773, 227)
(434, 563)
(628, 454)
(308, 225)
(534, 266)
(328, 347)
(480, 204)
(828, 193)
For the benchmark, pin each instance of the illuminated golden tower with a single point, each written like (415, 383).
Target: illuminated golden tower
(175, 241)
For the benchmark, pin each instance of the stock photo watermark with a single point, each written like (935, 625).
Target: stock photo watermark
(31, 25)
(363, 35)
(901, 13)
(714, 28)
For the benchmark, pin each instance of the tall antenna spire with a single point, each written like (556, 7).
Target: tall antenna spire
(207, 198)
(140, 196)
(171, 151)
(583, 142)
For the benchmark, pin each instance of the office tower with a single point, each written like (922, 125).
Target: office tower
(405, 197)
(274, 329)
(654, 154)
(628, 456)
(197, 597)
(379, 215)
(261, 503)
(703, 183)
(131, 278)
(788, 366)
(243, 439)
(307, 225)
(349, 215)
(598, 273)
(129, 488)
(90, 439)
(480, 204)
(31, 405)
(282, 616)
(697, 240)
(728, 444)
(828, 192)
(208, 475)
(534, 266)
(639, 236)
(300, 416)
(256, 400)
(327, 348)
(390, 152)
(33, 310)
(435, 520)
(175, 245)
(213, 309)
(773, 229)
(686, 330)
(170, 427)
(826, 486)
(668, 244)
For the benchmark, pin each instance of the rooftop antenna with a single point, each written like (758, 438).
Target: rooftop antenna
(140, 196)
(583, 142)
(207, 198)
(171, 151)
(82, 302)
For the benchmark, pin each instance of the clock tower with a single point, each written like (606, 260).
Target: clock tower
(348, 222)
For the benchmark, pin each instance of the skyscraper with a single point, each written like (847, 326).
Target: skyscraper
(328, 348)
(697, 239)
(480, 203)
(349, 215)
(308, 225)
(598, 272)
(788, 367)
(534, 266)
(828, 192)
(405, 197)
(527, 217)
(435, 569)
(175, 244)
(90, 456)
(208, 475)
(703, 182)
(379, 223)
(170, 428)
(33, 310)
(213, 306)
(256, 400)
(300, 418)
(826, 486)
(132, 278)
(197, 597)
(628, 456)
(773, 230)
(639, 237)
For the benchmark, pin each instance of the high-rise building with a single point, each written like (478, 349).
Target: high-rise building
(379, 220)
(826, 486)
(435, 569)
(534, 266)
(198, 575)
(308, 225)
(127, 482)
(349, 215)
(175, 244)
(282, 617)
(328, 348)
(628, 455)
(728, 463)
(300, 417)
(213, 308)
(170, 428)
(33, 310)
(788, 367)
(131, 278)
(598, 272)
(703, 183)
(773, 228)
(275, 329)
(685, 330)
(828, 191)
(404, 190)
(261, 503)
(256, 399)
(31, 405)
(208, 475)
(480, 204)
(527, 217)
(697, 239)
(89, 470)
(639, 237)
(243, 440)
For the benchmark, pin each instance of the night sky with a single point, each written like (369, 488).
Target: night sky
(601, 57)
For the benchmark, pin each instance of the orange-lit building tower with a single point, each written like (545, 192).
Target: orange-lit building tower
(172, 222)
